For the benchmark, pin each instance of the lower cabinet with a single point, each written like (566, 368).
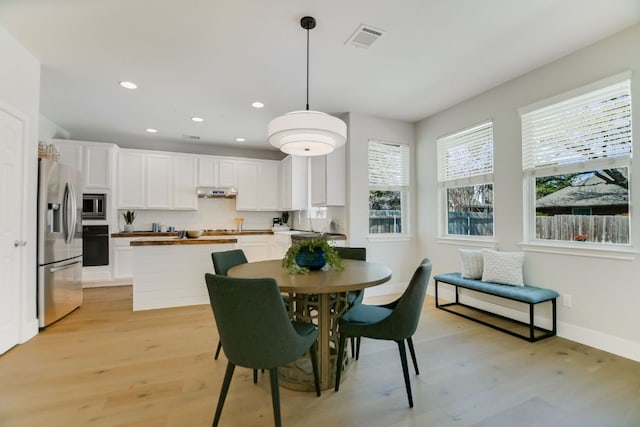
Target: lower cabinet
(122, 258)
(256, 248)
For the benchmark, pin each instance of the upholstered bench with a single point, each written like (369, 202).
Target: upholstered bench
(531, 295)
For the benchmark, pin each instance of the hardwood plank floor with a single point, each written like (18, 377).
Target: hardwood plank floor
(105, 365)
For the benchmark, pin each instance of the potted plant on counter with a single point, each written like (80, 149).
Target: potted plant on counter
(129, 217)
(311, 254)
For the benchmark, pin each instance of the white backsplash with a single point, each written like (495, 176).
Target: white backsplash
(220, 213)
(211, 214)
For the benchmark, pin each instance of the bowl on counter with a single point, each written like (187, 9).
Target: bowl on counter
(193, 234)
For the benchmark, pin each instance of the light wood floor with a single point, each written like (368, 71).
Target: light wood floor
(105, 365)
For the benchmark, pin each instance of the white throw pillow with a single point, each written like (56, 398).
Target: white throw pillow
(471, 263)
(503, 267)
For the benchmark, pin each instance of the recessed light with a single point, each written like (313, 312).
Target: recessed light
(151, 130)
(240, 139)
(197, 119)
(257, 104)
(128, 85)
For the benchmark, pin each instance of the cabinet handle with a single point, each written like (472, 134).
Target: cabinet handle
(19, 243)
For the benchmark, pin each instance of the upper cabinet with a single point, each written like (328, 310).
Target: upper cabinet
(155, 180)
(258, 185)
(131, 179)
(294, 195)
(94, 160)
(328, 179)
(217, 172)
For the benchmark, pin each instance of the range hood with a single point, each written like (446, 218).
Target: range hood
(216, 192)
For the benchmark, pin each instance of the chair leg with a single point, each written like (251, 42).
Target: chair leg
(353, 347)
(341, 343)
(223, 392)
(218, 350)
(413, 355)
(255, 376)
(275, 396)
(358, 348)
(405, 370)
(314, 365)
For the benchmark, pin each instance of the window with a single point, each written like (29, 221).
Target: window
(388, 187)
(465, 175)
(576, 154)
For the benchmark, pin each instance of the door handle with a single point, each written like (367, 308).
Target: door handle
(64, 267)
(19, 243)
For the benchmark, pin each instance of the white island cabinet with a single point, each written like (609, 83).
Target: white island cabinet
(169, 272)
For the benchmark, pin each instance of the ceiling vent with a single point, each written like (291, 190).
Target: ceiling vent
(364, 36)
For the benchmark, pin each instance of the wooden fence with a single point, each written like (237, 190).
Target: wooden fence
(471, 223)
(600, 228)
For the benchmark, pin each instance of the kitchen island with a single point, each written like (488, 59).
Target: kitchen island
(169, 272)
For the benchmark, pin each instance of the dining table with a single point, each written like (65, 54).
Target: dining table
(320, 297)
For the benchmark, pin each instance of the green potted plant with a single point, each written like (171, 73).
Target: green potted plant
(129, 217)
(284, 218)
(311, 254)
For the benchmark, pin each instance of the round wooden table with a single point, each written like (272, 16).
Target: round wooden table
(319, 297)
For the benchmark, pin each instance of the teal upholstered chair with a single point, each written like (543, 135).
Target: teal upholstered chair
(256, 332)
(354, 297)
(222, 262)
(396, 321)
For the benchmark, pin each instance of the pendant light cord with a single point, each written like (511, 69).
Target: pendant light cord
(307, 69)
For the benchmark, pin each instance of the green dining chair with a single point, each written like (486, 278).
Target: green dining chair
(222, 262)
(353, 297)
(396, 321)
(256, 332)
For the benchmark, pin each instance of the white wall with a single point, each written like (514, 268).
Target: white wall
(400, 255)
(20, 89)
(605, 291)
(49, 130)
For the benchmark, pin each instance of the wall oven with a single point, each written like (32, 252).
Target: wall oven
(94, 206)
(95, 245)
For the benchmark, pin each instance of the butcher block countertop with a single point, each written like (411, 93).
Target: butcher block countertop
(204, 233)
(165, 241)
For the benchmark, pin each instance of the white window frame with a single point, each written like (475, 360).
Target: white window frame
(534, 167)
(400, 183)
(464, 172)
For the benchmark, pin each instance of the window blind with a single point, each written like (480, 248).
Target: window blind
(388, 165)
(466, 153)
(587, 127)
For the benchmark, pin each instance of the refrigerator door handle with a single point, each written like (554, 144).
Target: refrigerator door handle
(74, 212)
(64, 267)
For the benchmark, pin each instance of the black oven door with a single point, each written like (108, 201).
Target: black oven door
(95, 245)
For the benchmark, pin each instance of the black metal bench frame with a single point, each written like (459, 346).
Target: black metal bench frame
(546, 333)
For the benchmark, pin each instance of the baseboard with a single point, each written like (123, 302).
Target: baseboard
(28, 330)
(106, 283)
(609, 343)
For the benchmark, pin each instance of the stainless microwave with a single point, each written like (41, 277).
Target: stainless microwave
(94, 206)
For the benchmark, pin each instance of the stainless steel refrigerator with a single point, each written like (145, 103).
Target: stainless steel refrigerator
(59, 241)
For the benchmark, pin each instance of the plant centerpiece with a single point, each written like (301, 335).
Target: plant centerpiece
(311, 254)
(284, 218)
(129, 217)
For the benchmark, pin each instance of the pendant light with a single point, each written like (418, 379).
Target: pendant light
(307, 132)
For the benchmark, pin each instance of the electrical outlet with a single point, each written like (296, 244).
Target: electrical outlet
(567, 300)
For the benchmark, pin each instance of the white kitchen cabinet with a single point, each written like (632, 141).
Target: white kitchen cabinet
(217, 172)
(280, 244)
(258, 188)
(122, 258)
(293, 183)
(70, 153)
(131, 179)
(97, 166)
(328, 177)
(268, 187)
(184, 183)
(158, 181)
(257, 247)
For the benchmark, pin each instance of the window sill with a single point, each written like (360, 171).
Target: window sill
(389, 237)
(593, 250)
(481, 242)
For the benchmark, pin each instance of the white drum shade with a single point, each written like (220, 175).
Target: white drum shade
(307, 133)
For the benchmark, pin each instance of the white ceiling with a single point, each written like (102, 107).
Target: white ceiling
(213, 58)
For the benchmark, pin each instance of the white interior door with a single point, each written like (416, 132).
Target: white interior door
(12, 143)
